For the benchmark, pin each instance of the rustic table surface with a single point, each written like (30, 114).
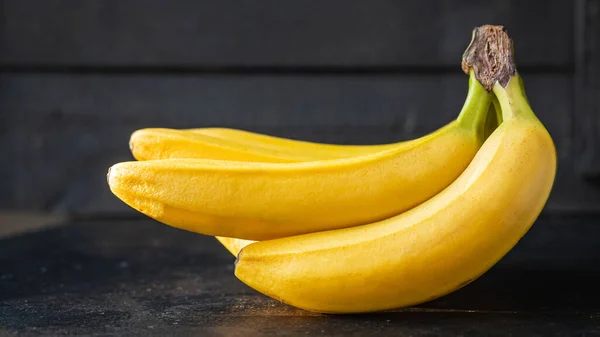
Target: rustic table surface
(138, 277)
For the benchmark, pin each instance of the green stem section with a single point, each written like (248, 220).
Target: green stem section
(497, 110)
(513, 101)
(494, 118)
(475, 110)
(490, 57)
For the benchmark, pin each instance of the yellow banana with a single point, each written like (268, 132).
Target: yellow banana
(233, 144)
(240, 145)
(309, 149)
(233, 245)
(430, 250)
(259, 201)
(426, 252)
(155, 143)
(300, 148)
(160, 143)
(169, 143)
(151, 143)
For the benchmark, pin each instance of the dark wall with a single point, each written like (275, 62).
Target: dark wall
(77, 77)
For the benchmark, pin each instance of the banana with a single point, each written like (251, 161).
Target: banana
(231, 144)
(260, 201)
(285, 145)
(437, 247)
(241, 145)
(162, 143)
(432, 249)
(309, 149)
(155, 143)
(233, 245)
(158, 138)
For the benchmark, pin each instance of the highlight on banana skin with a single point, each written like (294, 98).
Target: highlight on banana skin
(300, 217)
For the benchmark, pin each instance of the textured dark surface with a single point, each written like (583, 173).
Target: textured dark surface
(271, 33)
(138, 277)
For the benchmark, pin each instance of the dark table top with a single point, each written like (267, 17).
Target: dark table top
(138, 277)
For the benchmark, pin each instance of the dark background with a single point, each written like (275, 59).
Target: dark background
(77, 77)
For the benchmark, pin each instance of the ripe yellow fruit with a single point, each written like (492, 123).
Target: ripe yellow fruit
(237, 145)
(430, 250)
(260, 201)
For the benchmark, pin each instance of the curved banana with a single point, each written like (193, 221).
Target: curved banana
(259, 201)
(162, 143)
(234, 245)
(154, 143)
(437, 247)
(169, 143)
(240, 145)
(430, 250)
(231, 144)
(299, 148)
(309, 149)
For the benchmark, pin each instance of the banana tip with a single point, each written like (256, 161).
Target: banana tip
(108, 175)
(237, 260)
(111, 175)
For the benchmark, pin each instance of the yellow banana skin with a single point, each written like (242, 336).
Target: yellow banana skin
(233, 144)
(238, 145)
(241, 145)
(430, 250)
(261, 201)
(291, 146)
(168, 143)
(150, 144)
(234, 245)
(308, 149)
(154, 144)
(161, 143)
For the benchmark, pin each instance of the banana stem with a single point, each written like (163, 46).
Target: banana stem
(494, 118)
(497, 110)
(512, 100)
(490, 57)
(475, 110)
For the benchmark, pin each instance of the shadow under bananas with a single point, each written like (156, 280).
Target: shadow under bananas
(142, 271)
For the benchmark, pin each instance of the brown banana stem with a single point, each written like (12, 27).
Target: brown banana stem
(490, 55)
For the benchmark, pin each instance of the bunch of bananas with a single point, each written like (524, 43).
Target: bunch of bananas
(346, 229)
